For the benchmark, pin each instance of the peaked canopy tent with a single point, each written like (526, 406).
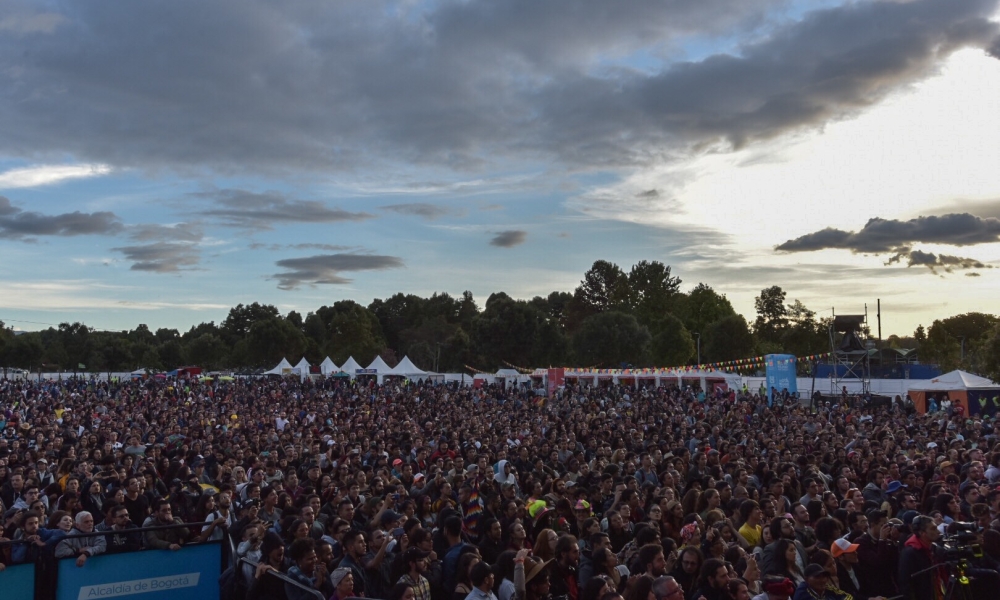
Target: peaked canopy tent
(350, 366)
(302, 368)
(328, 366)
(407, 369)
(282, 368)
(379, 369)
(976, 395)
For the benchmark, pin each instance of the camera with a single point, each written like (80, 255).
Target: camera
(961, 544)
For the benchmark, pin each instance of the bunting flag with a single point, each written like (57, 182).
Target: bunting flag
(740, 364)
(517, 368)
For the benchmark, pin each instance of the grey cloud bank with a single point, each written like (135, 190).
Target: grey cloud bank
(284, 89)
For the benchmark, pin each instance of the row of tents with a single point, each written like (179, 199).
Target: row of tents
(378, 368)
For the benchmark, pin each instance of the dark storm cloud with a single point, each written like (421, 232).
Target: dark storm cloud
(327, 268)
(886, 235)
(309, 87)
(419, 209)
(19, 224)
(253, 210)
(161, 257)
(509, 239)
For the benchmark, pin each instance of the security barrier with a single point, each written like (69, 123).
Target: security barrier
(191, 572)
(17, 582)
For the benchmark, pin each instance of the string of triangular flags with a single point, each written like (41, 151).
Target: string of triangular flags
(740, 364)
(522, 370)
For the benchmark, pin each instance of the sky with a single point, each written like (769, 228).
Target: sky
(161, 162)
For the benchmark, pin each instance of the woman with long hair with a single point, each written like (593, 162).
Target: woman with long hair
(783, 561)
(673, 520)
(545, 544)
(605, 563)
(463, 583)
(950, 509)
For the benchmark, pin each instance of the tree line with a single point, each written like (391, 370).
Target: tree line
(614, 318)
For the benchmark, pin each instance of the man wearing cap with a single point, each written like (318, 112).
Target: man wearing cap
(415, 560)
(878, 555)
(816, 585)
(846, 555)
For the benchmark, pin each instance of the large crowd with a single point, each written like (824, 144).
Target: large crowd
(421, 491)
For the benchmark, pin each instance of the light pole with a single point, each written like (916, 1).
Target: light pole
(699, 348)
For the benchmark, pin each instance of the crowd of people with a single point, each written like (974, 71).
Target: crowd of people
(421, 491)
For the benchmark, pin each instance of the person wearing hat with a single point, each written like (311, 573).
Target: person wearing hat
(776, 588)
(846, 555)
(816, 586)
(343, 583)
(532, 580)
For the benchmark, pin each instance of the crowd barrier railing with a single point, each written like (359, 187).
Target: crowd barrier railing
(150, 574)
(278, 574)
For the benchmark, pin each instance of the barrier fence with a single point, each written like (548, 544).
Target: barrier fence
(191, 572)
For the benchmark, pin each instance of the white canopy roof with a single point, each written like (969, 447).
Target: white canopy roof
(328, 366)
(508, 373)
(303, 366)
(406, 368)
(281, 368)
(350, 366)
(380, 367)
(956, 380)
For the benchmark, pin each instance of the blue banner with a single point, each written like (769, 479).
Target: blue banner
(191, 572)
(780, 371)
(18, 582)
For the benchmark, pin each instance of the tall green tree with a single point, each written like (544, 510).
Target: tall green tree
(704, 306)
(651, 290)
(610, 339)
(275, 338)
(772, 314)
(727, 339)
(671, 344)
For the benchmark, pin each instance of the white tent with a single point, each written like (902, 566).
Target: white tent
(350, 367)
(283, 368)
(406, 368)
(302, 368)
(955, 380)
(328, 366)
(378, 365)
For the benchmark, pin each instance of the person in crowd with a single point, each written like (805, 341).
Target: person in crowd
(80, 545)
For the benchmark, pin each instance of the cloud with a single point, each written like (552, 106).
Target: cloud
(419, 209)
(180, 232)
(459, 85)
(885, 235)
(18, 224)
(48, 174)
(161, 257)
(303, 246)
(252, 210)
(24, 24)
(327, 268)
(946, 262)
(509, 239)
